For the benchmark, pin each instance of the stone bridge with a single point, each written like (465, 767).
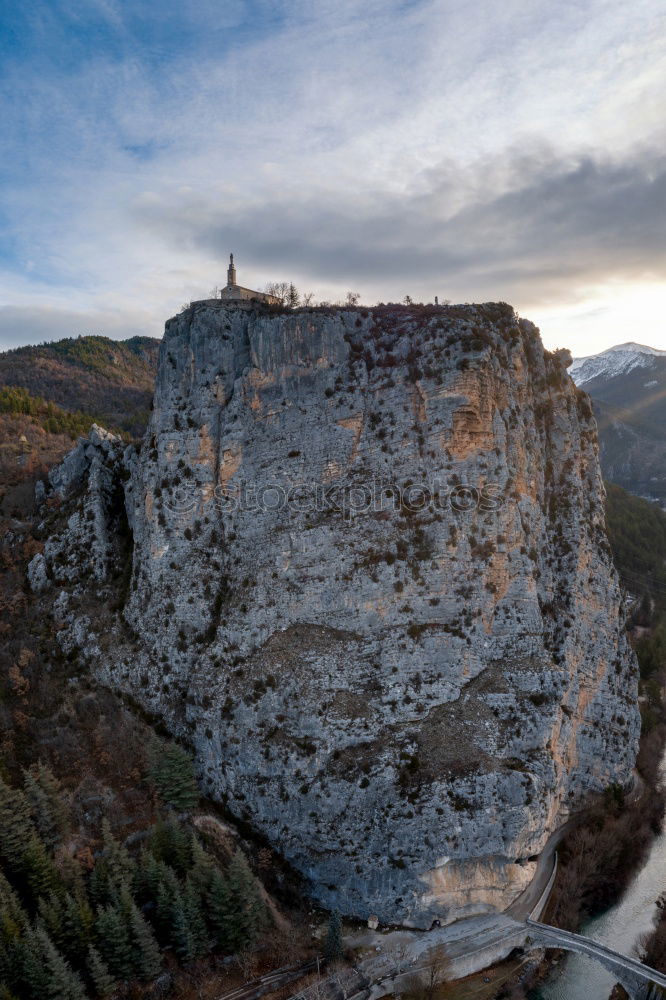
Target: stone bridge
(640, 981)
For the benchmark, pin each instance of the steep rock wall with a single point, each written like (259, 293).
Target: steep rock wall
(405, 691)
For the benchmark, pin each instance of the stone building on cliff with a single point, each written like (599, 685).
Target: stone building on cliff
(233, 292)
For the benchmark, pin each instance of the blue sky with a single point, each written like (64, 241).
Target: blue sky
(502, 151)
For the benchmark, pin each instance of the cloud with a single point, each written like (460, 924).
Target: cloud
(34, 325)
(391, 147)
(531, 228)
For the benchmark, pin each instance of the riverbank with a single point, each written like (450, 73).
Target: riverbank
(599, 857)
(599, 860)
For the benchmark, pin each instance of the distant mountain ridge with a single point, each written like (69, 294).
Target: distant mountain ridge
(616, 361)
(627, 384)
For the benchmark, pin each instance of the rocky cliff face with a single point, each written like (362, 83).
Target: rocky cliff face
(371, 587)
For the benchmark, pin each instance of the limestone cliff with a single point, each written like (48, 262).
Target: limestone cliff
(371, 587)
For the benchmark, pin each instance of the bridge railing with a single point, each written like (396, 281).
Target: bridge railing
(588, 946)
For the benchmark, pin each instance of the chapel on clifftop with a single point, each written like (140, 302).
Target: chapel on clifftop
(233, 292)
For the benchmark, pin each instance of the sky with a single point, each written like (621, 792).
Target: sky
(508, 151)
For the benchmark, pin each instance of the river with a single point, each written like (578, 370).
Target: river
(620, 927)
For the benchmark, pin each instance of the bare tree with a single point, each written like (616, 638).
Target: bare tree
(280, 289)
(214, 292)
(313, 987)
(248, 963)
(423, 982)
(342, 980)
(285, 292)
(287, 944)
(307, 298)
(400, 952)
(408, 300)
(438, 970)
(352, 298)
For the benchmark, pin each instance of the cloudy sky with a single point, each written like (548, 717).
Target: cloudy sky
(510, 151)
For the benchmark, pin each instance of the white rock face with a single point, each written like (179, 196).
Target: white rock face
(37, 574)
(91, 473)
(405, 693)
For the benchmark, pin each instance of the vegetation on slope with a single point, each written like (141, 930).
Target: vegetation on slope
(112, 379)
(52, 393)
(598, 858)
(48, 416)
(637, 533)
(112, 871)
(71, 925)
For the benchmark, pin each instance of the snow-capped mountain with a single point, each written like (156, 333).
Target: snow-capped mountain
(627, 385)
(618, 360)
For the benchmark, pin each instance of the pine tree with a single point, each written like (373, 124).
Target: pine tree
(171, 844)
(146, 958)
(173, 915)
(116, 858)
(71, 874)
(168, 900)
(182, 938)
(51, 917)
(77, 928)
(40, 810)
(202, 866)
(172, 774)
(63, 982)
(5, 965)
(13, 918)
(99, 886)
(38, 869)
(53, 789)
(113, 941)
(247, 912)
(192, 900)
(15, 824)
(219, 909)
(102, 979)
(48, 811)
(31, 974)
(333, 946)
(149, 874)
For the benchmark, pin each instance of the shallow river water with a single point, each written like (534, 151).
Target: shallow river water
(620, 927)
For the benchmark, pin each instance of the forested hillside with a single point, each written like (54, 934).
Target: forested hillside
(108, 379)
(637, 533)
(114, 874)
(51, 394)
